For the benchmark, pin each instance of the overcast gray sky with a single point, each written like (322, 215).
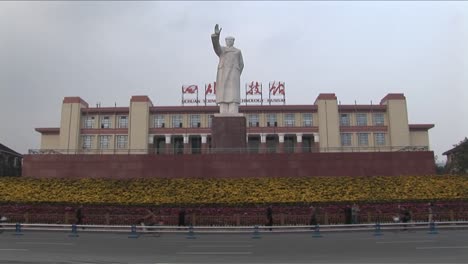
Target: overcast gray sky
(108, 51)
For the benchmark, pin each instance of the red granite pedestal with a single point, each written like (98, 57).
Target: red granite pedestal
(228, 134)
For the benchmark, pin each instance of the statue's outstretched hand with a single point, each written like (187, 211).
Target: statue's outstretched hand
(217, 30)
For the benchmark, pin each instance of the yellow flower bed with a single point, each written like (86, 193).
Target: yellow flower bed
(233, 191)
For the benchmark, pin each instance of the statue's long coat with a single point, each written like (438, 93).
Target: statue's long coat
(230, 68)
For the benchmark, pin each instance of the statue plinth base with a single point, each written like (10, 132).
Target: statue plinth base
(228, 133)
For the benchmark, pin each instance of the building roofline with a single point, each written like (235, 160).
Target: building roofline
(348, 108)
(48, 130)
(420, 127)
(141, 98)
(393, 96)
(122, 110)
(325, 96)
(74, 100)
(191, 108)
(8, 150)
(242, 108)
(281, 108)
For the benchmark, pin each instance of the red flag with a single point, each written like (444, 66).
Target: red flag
(191, 89)
(210, 89)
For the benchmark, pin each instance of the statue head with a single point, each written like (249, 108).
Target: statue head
(230, 41)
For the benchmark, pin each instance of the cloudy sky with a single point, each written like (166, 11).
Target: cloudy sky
(108, 51)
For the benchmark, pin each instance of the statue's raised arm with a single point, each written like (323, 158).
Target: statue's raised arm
(215, 40)
(217, 30)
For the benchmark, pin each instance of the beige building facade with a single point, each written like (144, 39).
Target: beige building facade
(324, 126)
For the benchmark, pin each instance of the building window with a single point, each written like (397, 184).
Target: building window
(87, 142)
(16, 162)
(379, 139)
(361, 119)
(254, 120)
(159, 121)
(89, 122)
(378, 119)
(363, 139)
(344, 120)
(122, 142)
(289, 120)
(271, 120)
(210, 120)
(104, 142)
(307, 119)
(176, 121)
(195, 121)
(345, 139)
(105, 122)
(123, 122)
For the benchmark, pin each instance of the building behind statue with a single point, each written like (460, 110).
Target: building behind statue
(322, 127)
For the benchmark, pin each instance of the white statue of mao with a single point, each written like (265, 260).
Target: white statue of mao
(230, 68)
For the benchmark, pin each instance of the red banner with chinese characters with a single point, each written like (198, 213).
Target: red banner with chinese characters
(210, 93)
(253, 90)
(277, 90)
(190, 90)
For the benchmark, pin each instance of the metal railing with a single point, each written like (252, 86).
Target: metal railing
(377, 228)
(227, 220)
(208, 150)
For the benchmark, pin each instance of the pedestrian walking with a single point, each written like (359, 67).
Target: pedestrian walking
(347, 213)
(405, 217)
(79, 214)
(3, 219)
(182, 217)
(430, 213)
(269, 215)
(355, 214)
(313, 216)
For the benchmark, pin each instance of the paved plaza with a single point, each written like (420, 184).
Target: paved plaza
(449, 246)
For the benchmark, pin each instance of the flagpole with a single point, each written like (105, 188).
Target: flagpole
(284, 93)
(261, 93)
(246, 94)
(269, 92)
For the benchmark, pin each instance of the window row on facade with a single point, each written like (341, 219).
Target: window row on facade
(105, 121)
(199, 120)
(363, 139)
(104, 142)
(253, 120)
(362, 119)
